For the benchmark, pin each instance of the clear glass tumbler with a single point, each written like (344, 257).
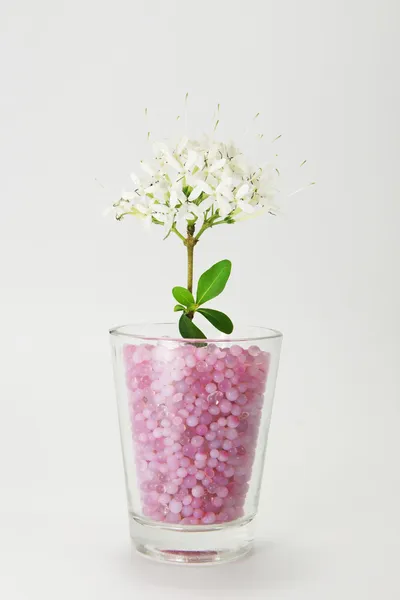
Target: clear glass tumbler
(194, 418)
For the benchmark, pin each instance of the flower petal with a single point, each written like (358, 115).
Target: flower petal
(181, 145)
(218, 164)
(191, 160)
(146, 168)
(129, 195)
(172, 162)
(242, 191)
(135, 179)
(246, 207)
(195, 193)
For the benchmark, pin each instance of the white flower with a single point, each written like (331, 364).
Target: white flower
(196, 182)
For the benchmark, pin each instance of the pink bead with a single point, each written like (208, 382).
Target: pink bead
(201, 353)
(197, 441)
(205, 418)
(201, 367)
(190, 481)
(187, 511)
(173, 462)
(201, 456)
(211, 388)
(217, 502)
(190, 361)
(230, 361)
(175, 507)
(254, 350)
(224, 386)
(164, 499)
(198, 491)
(223, 456)
(192, 421)
(225, 406)
(171, 488)
(236, 350)
(158, 432)
(201, 430)
(197, 502)
(209, 518)
(168, 390)
(232, 394)
(218, 377)
(195, 415)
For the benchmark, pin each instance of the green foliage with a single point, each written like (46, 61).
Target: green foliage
(220, 320)
(211, 283)
(183, 296)
(188, 329)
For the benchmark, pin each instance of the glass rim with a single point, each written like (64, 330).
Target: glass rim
(120, 331)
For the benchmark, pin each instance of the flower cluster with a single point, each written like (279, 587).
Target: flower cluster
(198, 183)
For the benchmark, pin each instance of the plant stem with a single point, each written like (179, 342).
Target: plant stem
(180, 236)
(190, 243)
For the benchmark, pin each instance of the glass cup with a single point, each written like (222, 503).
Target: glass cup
(194, 418)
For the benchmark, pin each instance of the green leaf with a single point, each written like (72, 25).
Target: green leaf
(183, 296)
(188, 329)
(213, 281)
(217, 318)
(178, 307)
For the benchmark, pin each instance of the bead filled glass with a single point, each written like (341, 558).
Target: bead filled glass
(194, 418)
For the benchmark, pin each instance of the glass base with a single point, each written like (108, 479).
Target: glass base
(192, 545)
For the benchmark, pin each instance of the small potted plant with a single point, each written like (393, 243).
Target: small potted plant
(194, 409)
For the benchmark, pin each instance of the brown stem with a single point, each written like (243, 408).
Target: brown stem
(190, 243)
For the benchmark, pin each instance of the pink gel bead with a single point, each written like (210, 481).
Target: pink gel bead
(201, 430)
(198, 491)
(197, 441)
(215, 394)
(192, 421)
(209, 518)
(225, 406)
(187, 511)
(175, 506)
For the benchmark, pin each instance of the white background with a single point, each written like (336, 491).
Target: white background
(75, 78)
